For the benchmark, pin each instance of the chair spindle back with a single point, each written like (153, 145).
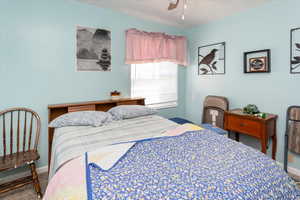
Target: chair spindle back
(214, 108)
(20, 131)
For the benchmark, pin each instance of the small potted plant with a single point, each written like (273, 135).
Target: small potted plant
(115, 94)
(252, 109)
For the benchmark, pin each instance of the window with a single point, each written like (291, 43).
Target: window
(157, 82)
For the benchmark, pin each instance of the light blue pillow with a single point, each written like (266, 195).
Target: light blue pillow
(82, 118)
(130, 111)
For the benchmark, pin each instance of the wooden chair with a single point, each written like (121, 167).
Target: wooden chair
(214, 108)
(292, 133)
(20, 134)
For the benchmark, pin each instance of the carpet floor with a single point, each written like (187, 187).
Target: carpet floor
(27, 192)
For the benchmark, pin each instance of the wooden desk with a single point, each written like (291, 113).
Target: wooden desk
(262, 129)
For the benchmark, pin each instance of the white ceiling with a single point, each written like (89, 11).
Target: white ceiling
(198, 11)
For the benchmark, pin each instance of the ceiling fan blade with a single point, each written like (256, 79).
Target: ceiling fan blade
(172, 6)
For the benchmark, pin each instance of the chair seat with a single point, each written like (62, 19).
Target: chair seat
(17, 159)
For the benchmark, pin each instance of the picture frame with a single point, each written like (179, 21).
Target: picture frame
(257, 61)
(93, 49)
(212, 59)
(295, 51)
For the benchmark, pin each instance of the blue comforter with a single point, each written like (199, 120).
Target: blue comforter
(195, 165)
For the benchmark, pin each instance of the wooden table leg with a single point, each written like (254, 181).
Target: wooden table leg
(274, 146)
(263, 146)
(274, 142)
(237, 136)
(264, 140)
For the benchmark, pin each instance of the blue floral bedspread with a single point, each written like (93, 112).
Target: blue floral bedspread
(195, 165)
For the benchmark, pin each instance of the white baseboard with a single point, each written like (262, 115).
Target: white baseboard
(294, 171)
(12, 177)
(291, 170)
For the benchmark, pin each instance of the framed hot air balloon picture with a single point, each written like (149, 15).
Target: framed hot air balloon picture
(295, 51)
(93, 49)
(257, 61)
(211, 59)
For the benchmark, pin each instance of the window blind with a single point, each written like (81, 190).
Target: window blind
(157, 82)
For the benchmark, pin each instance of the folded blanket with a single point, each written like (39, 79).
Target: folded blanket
(69, 182)
(193, 165)
(107, 157)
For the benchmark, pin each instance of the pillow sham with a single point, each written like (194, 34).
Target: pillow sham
(82, 118)
(130, 111)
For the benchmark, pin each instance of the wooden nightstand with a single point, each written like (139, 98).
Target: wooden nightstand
(262, 129)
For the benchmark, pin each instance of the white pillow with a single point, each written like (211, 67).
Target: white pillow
(130, 111)
(82, 118)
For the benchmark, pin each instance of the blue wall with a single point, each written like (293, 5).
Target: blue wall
(37, 60)
(267, 26)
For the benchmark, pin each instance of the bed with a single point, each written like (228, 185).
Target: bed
(70, 142)
(151, 157)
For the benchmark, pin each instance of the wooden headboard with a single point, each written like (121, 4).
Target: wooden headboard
(57, 110)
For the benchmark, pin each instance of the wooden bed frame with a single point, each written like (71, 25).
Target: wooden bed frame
(57, 110)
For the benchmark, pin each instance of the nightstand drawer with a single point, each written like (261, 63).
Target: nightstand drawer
(247, 126)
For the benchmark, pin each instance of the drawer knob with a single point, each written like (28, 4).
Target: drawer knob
(242, 124)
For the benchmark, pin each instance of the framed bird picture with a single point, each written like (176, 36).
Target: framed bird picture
(211, 59)
(295, 51)
(257, 61)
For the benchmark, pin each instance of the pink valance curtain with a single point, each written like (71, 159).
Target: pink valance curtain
(147, 47)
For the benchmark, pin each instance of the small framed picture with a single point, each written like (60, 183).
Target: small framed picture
(295, 51)
(257, 61)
